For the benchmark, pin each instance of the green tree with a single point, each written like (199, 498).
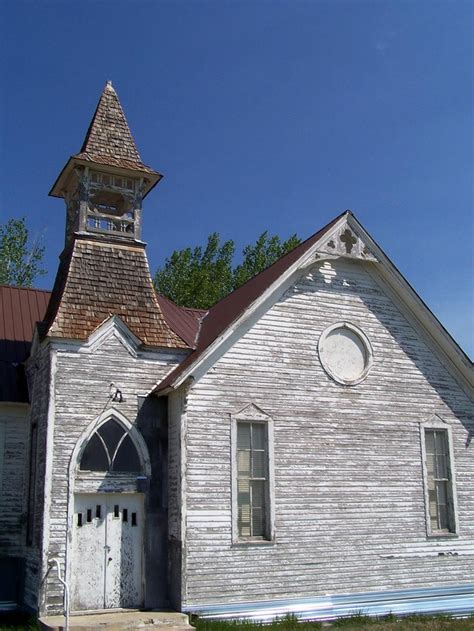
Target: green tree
(258, 257)
(20, 262)
(196, 277)
(199, 278)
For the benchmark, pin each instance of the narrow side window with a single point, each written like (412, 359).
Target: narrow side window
(439, 483)
(252, 470)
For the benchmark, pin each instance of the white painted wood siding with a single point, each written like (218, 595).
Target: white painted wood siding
(349, 504)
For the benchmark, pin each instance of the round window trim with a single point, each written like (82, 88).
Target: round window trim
(329, 362)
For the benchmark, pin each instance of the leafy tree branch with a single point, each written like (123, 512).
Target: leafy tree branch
(20, 262)
(199, 277)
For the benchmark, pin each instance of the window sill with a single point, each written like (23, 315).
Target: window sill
(256, 543)
(442, 535)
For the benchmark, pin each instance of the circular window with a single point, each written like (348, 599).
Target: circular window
(345, 353)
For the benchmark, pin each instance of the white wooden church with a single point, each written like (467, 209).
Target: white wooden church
(304, 446)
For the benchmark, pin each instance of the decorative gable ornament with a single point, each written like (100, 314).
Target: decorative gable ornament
(251, 412)
(347, 243)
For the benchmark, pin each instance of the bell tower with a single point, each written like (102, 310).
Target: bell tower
(103, 270)
(104, 184)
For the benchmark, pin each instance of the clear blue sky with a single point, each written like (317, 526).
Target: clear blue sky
(261, 115)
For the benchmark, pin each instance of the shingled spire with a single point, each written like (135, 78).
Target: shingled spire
(104, 184)
(108, 139)
(104, 270)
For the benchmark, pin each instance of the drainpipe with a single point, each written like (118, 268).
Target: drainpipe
(55, 563)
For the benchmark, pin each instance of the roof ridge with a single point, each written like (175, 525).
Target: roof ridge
(5, 285)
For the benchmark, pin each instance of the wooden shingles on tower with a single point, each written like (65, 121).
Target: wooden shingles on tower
(103, 270)
(108, 140)
(108, 143)
(96, 281)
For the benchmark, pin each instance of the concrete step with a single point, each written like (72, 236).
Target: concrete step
(120, 621)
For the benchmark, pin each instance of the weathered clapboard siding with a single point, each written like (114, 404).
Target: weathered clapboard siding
(39, 379)
(349, 503)
(81, 394)
(13, 464)
(176, 497)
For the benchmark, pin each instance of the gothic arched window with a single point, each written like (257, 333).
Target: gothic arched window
(110, 449)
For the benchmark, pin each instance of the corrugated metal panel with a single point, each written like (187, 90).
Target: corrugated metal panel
(458, 601)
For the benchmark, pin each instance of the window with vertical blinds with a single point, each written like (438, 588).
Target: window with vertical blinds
(439, 481)
(252, 480)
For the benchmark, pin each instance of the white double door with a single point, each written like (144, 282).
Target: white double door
(107, 559)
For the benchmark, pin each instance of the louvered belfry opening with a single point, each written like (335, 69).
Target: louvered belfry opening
(103, 269)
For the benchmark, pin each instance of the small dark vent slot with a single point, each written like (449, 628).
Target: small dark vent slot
(125, 514)
(79, 519)
(98, 511)
(134, 519)
(89, 515)
(116, 510)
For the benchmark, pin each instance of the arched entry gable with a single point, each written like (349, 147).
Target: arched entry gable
(111, 414)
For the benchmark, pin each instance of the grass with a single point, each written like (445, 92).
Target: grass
(357, 622)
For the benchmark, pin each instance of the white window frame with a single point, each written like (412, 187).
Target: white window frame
(253, 414)
(437, 423)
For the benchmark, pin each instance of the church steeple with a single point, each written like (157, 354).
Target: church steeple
(104, 184)
(103, 270)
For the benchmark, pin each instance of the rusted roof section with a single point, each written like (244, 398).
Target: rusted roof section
(230, 308)
(20, 309)
(99, 279)
(108, 140)
(184, 322)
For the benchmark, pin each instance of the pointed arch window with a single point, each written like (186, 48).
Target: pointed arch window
(110, 449)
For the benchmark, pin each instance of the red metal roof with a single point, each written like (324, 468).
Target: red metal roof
(227, 310)
(184, 322)
(20, 309)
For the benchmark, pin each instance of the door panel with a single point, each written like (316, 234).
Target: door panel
(124, 561)
(88, 553)
(107, 551)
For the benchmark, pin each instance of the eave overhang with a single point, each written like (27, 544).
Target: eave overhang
(150, 177)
